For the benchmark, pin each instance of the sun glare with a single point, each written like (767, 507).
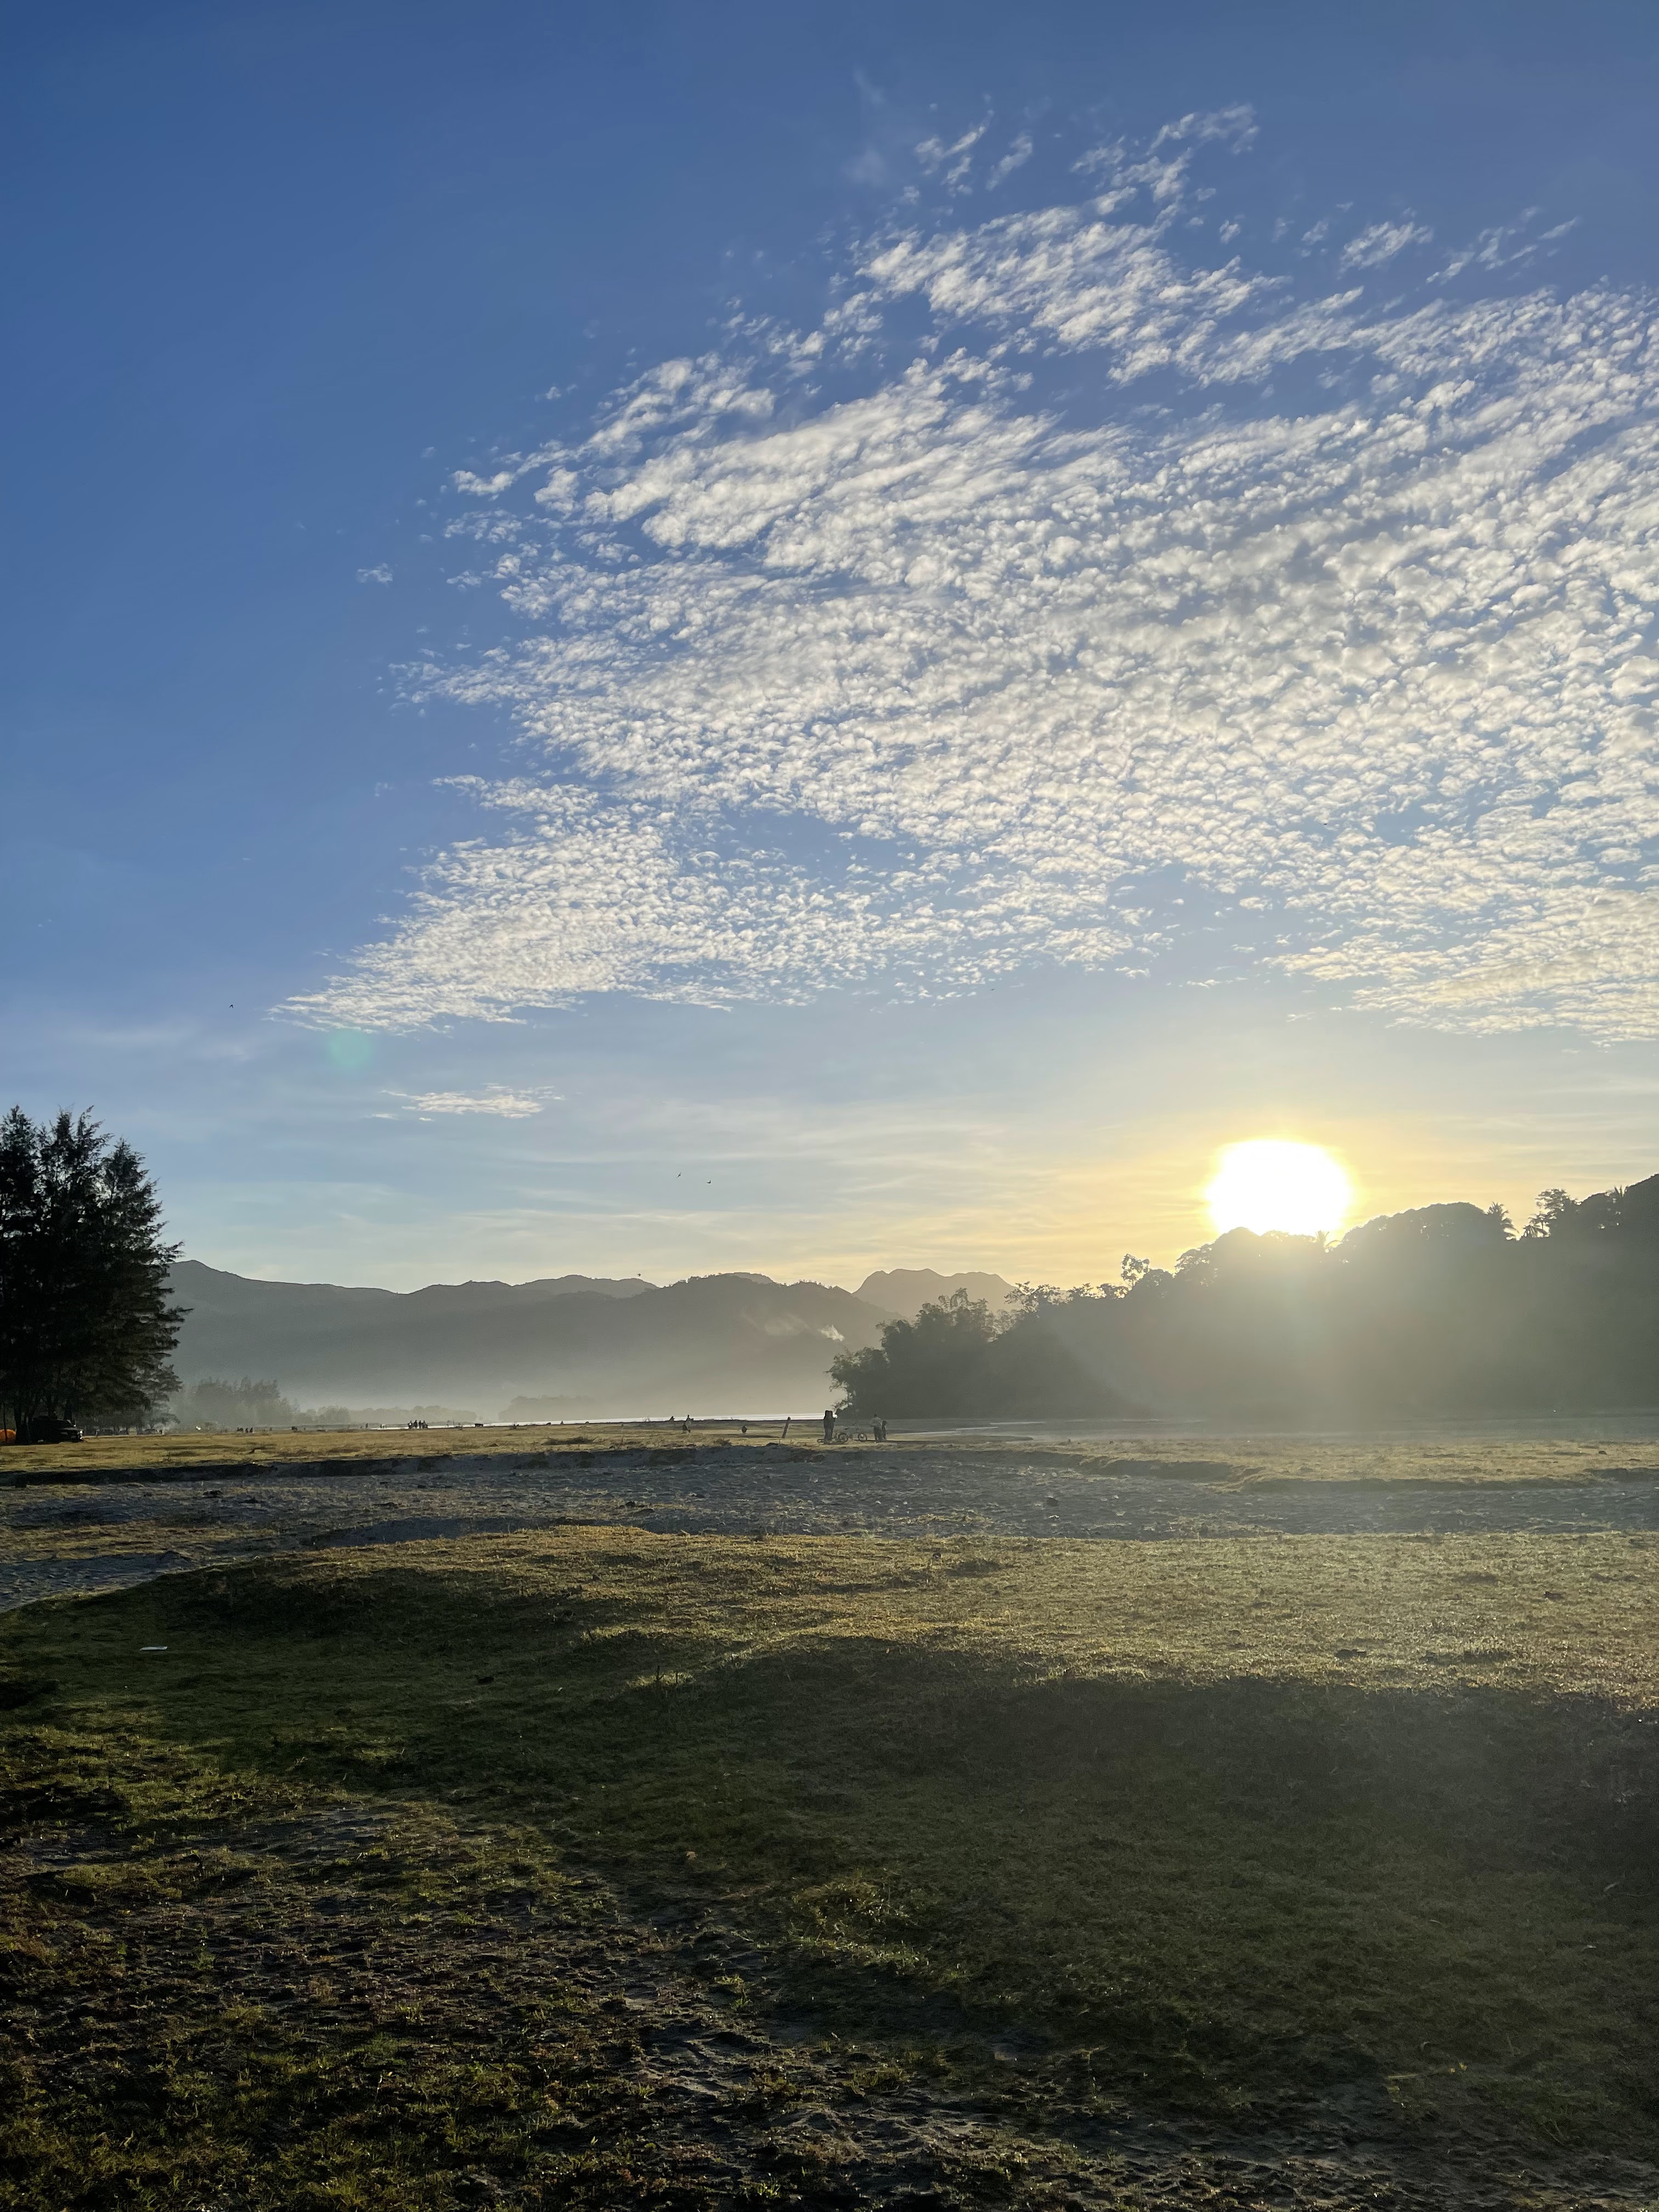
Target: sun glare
(1272, 1184)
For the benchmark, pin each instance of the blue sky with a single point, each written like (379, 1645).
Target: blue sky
(812, 637)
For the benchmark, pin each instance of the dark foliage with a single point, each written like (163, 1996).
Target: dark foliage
(958, 1358)
(86, 1328)
(1441, 1310)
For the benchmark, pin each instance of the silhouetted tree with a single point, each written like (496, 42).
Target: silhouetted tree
(1439, 1309)
(922, 1366)
(957, 1359)
(86, 1328)
(1555, 1210)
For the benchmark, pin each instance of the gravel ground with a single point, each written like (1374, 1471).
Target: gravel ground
(80, 1538)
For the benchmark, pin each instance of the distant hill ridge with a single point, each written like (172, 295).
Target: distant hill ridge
(468, 1296)
(905, 1290)
(710, 1344)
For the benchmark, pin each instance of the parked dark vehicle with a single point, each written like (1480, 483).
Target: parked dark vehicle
(48, 1429)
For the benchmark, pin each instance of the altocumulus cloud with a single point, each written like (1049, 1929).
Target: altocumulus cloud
(1061, 564)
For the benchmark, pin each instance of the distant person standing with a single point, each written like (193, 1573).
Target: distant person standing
(829, 1427)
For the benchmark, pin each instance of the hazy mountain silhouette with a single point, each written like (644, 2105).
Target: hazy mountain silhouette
(905, 1290)
(713, 1344)
(1441, 1309)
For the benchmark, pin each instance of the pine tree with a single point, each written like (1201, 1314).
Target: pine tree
(86, 1328)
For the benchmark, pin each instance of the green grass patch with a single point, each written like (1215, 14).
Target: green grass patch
(1238, 1832)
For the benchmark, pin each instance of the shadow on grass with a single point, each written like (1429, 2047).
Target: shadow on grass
(1229, 1897)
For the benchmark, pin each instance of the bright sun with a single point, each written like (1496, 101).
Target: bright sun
(1272, 1184)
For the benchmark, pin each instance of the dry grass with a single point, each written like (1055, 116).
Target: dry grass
(109, 1458)
(1284, 1835)
(1244, 1460)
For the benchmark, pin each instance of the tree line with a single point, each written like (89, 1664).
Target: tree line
(86, 1325)
(1441, 1310)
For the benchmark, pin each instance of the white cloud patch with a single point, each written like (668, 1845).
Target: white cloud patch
(929, 679)
(953, 164)
(506, 1105)
(1508, 245)
(1016, 158)
(593, 896)
(477, 487)
(381, 574)
(1381, 243)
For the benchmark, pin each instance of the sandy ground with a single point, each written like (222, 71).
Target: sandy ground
(90, 1534)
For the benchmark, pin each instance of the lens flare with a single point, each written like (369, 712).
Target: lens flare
(349, 1050)
(1271, 1183)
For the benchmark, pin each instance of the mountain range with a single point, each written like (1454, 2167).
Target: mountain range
(904, 1291)
(569, 1346)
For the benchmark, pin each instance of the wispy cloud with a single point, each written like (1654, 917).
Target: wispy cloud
(1016, 158)
(508, 1105)
(925, 680)
(1506, 245)
(1381, 242)
(952, 164)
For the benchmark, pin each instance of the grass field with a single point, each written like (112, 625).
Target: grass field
(1256, 1460)
(432, 1874)
(181, 1453)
